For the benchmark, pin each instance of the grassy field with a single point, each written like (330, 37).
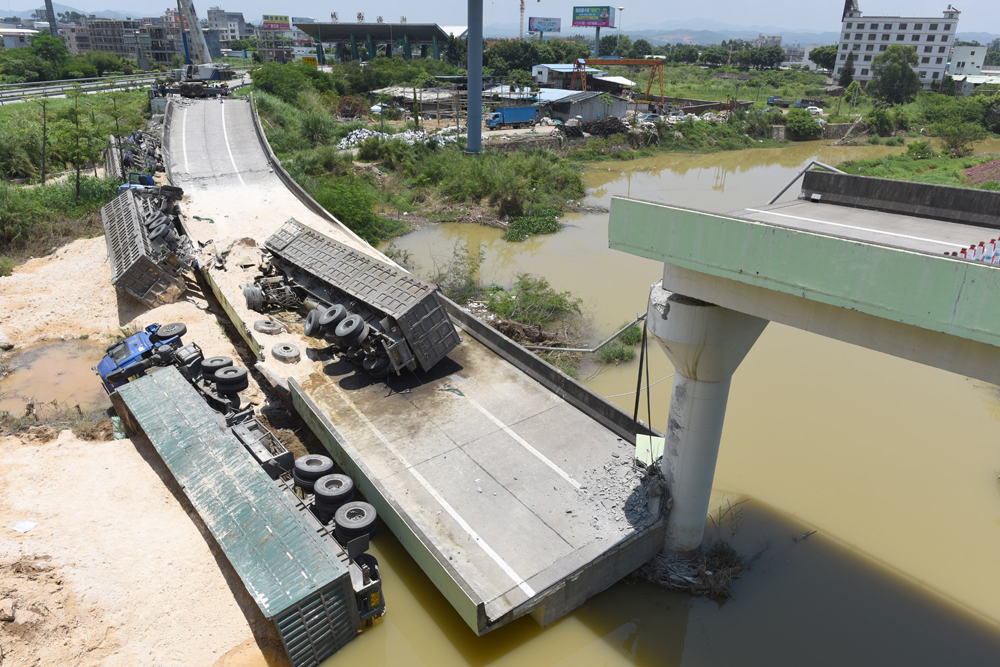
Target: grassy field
(937, 169)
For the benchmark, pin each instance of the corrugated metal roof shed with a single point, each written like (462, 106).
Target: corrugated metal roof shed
(292, 575)
(567, 68)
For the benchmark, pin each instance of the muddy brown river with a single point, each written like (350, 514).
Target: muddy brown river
(891, 463)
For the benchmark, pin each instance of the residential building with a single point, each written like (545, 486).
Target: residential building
(16, 38)
(767, 40)
(559, 76)
(967, 60)
(869, 36)
(173, 19)
(109, 35)
(230, 25)
(77, 38)
(163, 46)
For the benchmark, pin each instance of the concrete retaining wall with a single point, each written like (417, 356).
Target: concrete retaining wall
(942, 202)
(498, 143)
(836, 130)
(779, 133)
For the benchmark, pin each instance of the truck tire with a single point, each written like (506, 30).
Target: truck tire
(185, 89)
(311, 467)
(311, 327)
(254, 297)
(356, 356)
(198, 89)
(355, 519)
(352, 330)
(169, 331)
(171, 191)
(377, 367)
(210, 366)
(269, 327)
(232, 376)
(332, 317)
(332, 491)
(305, 484)
(286, 352)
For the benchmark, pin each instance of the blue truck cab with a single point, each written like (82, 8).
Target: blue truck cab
(135, 181)
(129, 359)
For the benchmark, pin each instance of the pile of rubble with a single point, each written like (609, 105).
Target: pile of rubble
(605, 127)
(411, 137)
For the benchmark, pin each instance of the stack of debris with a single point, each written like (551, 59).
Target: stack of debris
(411, 137)
(605, 127)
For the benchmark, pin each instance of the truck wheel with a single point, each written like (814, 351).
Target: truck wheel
(304, 484)
(158, 231)
(355, 519)
(311, 328)
(198, 89)
(356, 356)
(377, 367)
(353, 330)
(185, 89)
(311, 467)
(232, 376)
(210, 366)
(171, 192)
(254, 297)
(267, 327)
(286, 352)
(332, 317)
(169, 331)
(333, 490)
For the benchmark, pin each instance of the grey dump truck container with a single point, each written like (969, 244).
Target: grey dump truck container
(296, 578)
(145, 268)
(406, 311)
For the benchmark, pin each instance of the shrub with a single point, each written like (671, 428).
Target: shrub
(351, 106)
(615, 352)
(393, 153)
(6, 266)
(317, 127)
(632, 335)
(880, 121)
(801, 124)
(352, 201)
(920, 150)
(958, 137)
(532, 301)
(540, 222)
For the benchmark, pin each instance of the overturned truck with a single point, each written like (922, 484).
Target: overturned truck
(147, 248)
(376, 315)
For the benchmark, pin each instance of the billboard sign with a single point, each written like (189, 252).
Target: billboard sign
(276, 22)
(310, 60)
(594, 17)
(536, 24)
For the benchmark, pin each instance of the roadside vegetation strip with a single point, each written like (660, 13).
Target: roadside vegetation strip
(985, 175)
(924, 165)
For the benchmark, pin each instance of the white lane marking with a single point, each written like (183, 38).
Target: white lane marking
(437, 496)
(862, 229)
(524, 443)
(184, 140)
(225, 137)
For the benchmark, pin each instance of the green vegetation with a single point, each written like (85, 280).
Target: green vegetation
(532, 302)
(630, 336)
(919, 164)
(894, 81)
(47, 59)
(615, 352)
(542, 221)
(801, 124)
(34, 219)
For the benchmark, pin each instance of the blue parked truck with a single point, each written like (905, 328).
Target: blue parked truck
(512, 117)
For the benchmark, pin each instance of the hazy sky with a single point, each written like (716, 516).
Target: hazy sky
(806, 15)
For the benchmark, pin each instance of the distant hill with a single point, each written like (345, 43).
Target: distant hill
(104, 14)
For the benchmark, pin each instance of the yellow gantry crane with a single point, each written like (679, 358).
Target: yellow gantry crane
(580, 71)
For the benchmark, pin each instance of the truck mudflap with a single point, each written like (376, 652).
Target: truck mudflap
(146, 252)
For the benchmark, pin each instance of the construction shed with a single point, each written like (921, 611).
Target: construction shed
(589, 105)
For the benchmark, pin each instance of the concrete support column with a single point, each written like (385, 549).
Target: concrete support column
(370, 45)
(407, 53)
(705, 343)
(437, 47)
(474, 119)
(354, 48)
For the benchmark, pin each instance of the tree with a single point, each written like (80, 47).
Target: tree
(715, 55)
(894, 80)
(640, 49)
(456, 51)
(615, 45)
(49, 48)
(948, 86)
(684, 54)
(958, 137)
(847, 72)
(824, 56)
(76, 133)
(992, 59)
(801, 124)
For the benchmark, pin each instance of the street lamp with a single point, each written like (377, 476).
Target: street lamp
(619, 45)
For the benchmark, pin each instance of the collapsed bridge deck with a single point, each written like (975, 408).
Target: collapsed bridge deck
(510, 484)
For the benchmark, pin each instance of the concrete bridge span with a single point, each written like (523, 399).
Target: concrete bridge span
(865, 261)
(511, 485)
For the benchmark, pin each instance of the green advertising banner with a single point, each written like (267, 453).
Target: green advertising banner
(594, 17)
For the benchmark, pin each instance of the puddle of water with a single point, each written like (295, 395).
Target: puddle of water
(863, 446)
(59, 372)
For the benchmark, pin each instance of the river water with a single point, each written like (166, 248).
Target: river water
(891, 463)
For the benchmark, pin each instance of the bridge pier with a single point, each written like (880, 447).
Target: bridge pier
(706, 344)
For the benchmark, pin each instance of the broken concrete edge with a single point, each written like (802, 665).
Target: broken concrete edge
(241, 327)
(592, 404)
(299, 191)
(165, 142)
(434, 564)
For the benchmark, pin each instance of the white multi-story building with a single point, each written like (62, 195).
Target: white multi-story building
(868, 36)
(967, 60)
